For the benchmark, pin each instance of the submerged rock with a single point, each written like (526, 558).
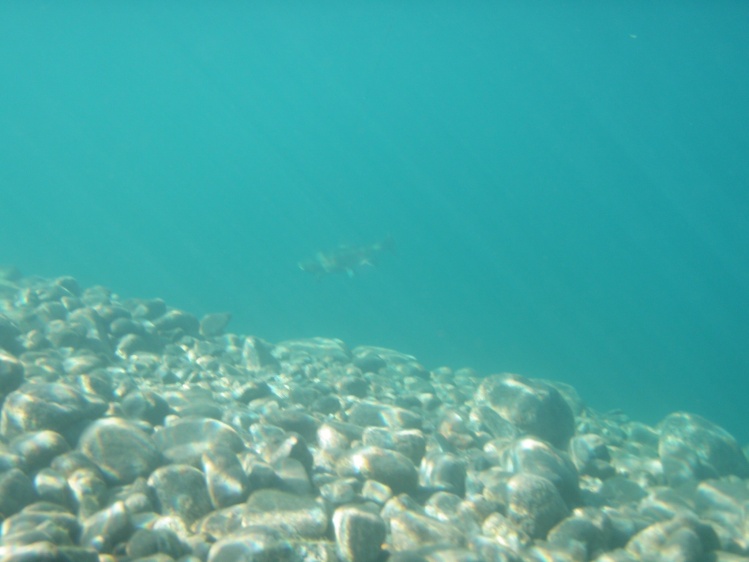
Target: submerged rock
(47, 406)
(121, 450)
(533, 406)
(131, 431)
(693, 448)
(11, 373)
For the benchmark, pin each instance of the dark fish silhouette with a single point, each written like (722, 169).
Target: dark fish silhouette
(346, 259)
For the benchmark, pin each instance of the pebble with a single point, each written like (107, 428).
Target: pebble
(534, 504)
(180, 490)
(692, 448)
(212, 325)
(359, 534)
(253, 544)
(52, 406)
(131, 430)
(11, 370)
(532, 406)
(185, 440)
(120, 449)
(226, 481)
(16, 491)
(387, 467)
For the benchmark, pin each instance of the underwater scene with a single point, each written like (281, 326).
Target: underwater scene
(365, 281)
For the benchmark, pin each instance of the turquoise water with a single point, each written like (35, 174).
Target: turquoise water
(566, 182)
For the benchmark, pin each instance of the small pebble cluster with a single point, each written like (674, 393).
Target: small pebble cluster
(133, 431)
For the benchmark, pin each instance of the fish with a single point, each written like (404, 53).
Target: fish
(346, 258)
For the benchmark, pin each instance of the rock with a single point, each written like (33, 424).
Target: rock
(145, 405)
(121, 327)
(324, 350)
(580, 530)
(227, 482)
(289, 513)
(45, 551)
(683, 539)
(368, 360)
(11, 371)
(466, 516)
(339, 492)
(16, 492)
(185, 440)
(591, 456)
(212, 325)
(253, 390)
(150, 309)
(353, 386)
(181, 490)
(258, 354)
(410, 442)
(531, 456)
(59, 525)
(253, 544)
(88, 491)
(131, 344)
(9, 334)
(49, 311)
(221, 523)
(67, 463)
(359, 534)
(129, 430)
(176, 323)
(410, 530)
(46, 406)
(366, 414)
(534, 504)
(692, 448)
(103, 530)
(147, 542)
(52, 486)
(69, 285)
(495, 424)
(120, 449)
(444, 471)
(387, 467)
(293, 477)
(64, 334)
(618, 490)
(39, 448)
(296, 421)
(276, 448)
(533, 406)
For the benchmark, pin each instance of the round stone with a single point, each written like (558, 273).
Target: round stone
(120, 449)
(531, 405)
(359, 534)
(534, 504)
(11, 373)
(388, 467)
(693, 448)
(181, 490)
(47, 406)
